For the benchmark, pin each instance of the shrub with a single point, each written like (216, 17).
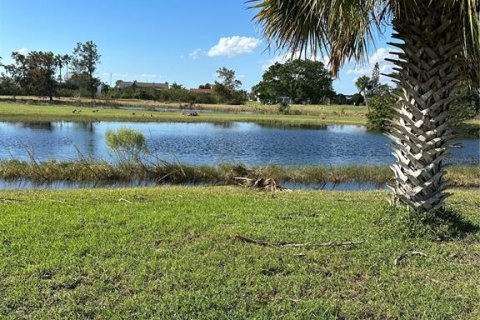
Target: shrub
(380, 111)
(127, 144)
(284, 108)
(358, 99)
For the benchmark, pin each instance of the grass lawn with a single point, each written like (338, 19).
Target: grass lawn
(256, 107)
(26, 112)
(171, 253)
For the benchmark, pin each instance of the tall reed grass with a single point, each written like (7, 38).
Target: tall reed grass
(87, 170)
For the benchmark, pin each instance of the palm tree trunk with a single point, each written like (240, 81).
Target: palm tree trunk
(427, 72)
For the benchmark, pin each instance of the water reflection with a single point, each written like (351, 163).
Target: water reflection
(37, 125)
(208, 143)
(26, 184)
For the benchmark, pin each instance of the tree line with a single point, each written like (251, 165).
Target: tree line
(35, 73)
(227, 90)
(44, 73)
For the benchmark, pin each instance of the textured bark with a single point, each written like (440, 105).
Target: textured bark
(428, 68)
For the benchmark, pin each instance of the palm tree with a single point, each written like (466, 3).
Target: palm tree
(60, 62)
(439, 47)
(66, 61)
(363, 84)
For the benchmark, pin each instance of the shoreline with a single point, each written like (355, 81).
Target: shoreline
(88, 172)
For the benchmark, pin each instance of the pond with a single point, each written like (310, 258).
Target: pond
(211, 144)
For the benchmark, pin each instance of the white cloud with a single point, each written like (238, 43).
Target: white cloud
(360, 70)
(195, 53)
(379, 57)
(23, 51)
(233, 46)
(280, 59)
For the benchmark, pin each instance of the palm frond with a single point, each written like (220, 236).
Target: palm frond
(341, 29)
(470, 13)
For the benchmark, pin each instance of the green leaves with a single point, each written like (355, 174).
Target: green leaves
(339, 29)
(300, 80)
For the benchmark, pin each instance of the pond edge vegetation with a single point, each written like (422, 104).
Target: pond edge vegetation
(161, 172)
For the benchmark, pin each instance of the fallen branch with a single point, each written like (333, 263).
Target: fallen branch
(124, 200)
(407, 254)
(257, 242)
(261, 183)
(296, 245)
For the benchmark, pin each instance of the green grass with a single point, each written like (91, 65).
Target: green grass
(170, 253)
(25, 112)
(318, 110)
(309, 115)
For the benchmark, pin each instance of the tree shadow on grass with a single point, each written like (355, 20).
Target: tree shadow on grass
(446, 225)
(450, 225)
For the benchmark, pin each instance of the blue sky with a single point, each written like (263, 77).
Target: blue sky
(181, 41)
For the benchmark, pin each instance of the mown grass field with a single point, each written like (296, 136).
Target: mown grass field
(27, 112)
(147, 104)
(171, 253)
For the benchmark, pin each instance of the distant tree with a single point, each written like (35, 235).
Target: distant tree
(17, 71)
(8, 87)
(85, 60)
(363, 84)
(264, 92)
(358, 99)
(375, 80)
(177, 92)
(61, 61)
(301, 80)
(205, 86)
(228, 78)
(467, 105)
(228, 90)
(80, 83)
(34, 73)
(380, 111)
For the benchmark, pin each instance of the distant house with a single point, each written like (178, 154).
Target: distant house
(284, 99)
(201, 91)
(120, 84)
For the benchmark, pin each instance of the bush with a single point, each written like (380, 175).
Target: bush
(127, 144)
(9, 88)
(358, 99)
(284, 108)
(380, 111)
(65, 92)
